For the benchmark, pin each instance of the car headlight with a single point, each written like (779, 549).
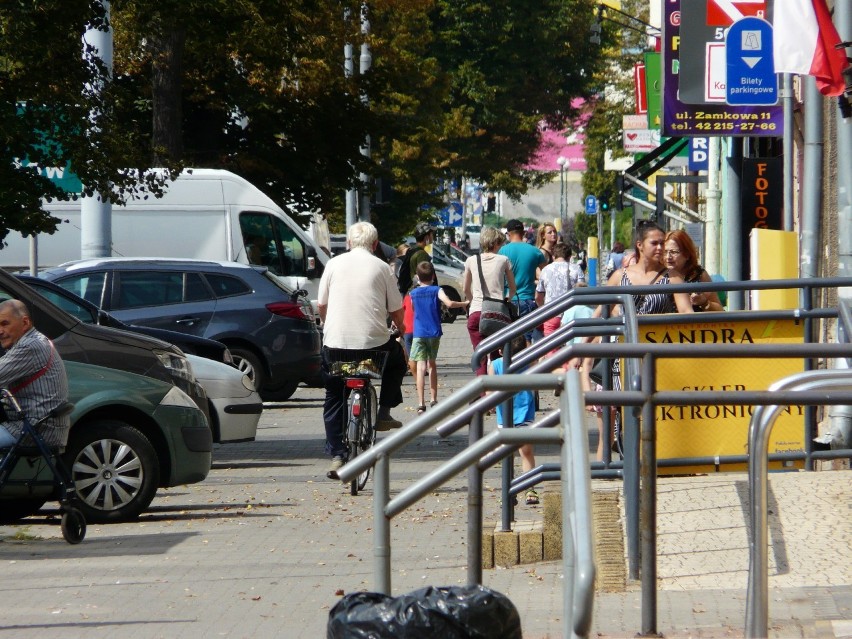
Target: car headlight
(177, 365)
(176, 397)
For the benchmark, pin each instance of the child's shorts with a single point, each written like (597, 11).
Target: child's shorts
(408, 338)
(424, 349)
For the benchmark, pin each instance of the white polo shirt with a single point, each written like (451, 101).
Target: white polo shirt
(360, 291)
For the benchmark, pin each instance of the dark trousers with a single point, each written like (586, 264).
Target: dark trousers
(334, 408)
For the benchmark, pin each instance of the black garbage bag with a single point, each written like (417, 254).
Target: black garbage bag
(455, 612)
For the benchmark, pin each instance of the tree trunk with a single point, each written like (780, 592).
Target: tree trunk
(167, 135)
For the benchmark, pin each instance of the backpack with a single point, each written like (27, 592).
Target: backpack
(403, 276)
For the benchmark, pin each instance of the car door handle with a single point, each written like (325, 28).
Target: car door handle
(188, 321)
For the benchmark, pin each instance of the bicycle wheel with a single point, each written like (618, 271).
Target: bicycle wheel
(367, 432)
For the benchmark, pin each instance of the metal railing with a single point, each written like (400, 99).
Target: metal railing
(467, 406)
(577, 544)
(760, 427)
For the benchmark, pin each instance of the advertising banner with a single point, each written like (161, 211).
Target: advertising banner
(709, 431)
(761, 199)
(654, 88)
(683, 119)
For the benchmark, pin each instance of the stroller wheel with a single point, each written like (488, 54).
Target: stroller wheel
(73, 526)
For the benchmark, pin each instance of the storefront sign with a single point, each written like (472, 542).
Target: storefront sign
(698, 119)
(709, 431)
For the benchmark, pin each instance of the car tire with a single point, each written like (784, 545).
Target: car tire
(280, 394)
(249, 363)
(115, 469)
(449, 315)
(13, 510)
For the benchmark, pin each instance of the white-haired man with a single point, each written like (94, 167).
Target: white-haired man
(33, 371)
(357, 292)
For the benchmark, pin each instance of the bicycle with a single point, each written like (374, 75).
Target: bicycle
(358, 369)
(73, 520)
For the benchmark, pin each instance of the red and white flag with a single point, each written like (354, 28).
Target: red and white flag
(804, 39)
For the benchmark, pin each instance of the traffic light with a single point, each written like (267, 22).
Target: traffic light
(604, 203)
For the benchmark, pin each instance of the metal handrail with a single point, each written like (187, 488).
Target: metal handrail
(760, 427)
(577, 543)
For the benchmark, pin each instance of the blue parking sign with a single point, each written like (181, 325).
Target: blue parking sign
(751, 77)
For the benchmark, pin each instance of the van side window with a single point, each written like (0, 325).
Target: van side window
(270, 242)
(292, 251)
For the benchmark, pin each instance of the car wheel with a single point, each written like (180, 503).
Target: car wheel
(281, 394)
(13, 510)
(449, 315)
(115, 469)
(248, 363)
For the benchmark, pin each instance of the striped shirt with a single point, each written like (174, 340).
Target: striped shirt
(28, 357)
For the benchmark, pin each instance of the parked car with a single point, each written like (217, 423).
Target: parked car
(234, 404)
(472, 233)
(88, 313)
(102, 346)
(270, 329)
(130, 435)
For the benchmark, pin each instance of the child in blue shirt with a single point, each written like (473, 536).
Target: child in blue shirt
(523, 413)
(426, 298)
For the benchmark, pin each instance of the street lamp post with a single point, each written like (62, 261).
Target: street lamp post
(562, 161)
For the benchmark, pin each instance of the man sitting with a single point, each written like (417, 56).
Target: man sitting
(33, 371)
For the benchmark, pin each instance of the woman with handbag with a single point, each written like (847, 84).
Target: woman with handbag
(485, 277)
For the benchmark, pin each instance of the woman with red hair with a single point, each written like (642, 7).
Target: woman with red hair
(681, 258)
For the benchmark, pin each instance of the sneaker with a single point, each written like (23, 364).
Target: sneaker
(532, 498)
(336, 462)
(387, 423)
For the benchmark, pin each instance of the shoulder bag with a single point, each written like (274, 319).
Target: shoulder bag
(496, 313)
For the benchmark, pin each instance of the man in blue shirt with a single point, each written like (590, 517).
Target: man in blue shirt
(526, 259)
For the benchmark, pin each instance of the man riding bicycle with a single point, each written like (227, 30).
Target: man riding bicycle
(357, 292)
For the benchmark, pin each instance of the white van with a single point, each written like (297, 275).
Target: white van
(205, 214)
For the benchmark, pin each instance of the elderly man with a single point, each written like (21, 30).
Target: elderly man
(357, 292)
(32, 370)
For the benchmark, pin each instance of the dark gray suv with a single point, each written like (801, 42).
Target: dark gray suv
(270, 330)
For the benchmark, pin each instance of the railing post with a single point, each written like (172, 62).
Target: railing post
(381, 526)
(474, 509)
(648, 499)
(630, 441)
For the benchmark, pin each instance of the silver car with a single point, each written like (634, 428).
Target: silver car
(235, 405)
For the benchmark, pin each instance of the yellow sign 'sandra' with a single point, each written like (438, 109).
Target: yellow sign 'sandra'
(713, 431)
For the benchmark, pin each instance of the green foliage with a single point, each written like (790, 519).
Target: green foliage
(621, 49)
(51, 115)
(456, 88)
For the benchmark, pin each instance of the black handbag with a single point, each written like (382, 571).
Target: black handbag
(496, 313)
(598, 371)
